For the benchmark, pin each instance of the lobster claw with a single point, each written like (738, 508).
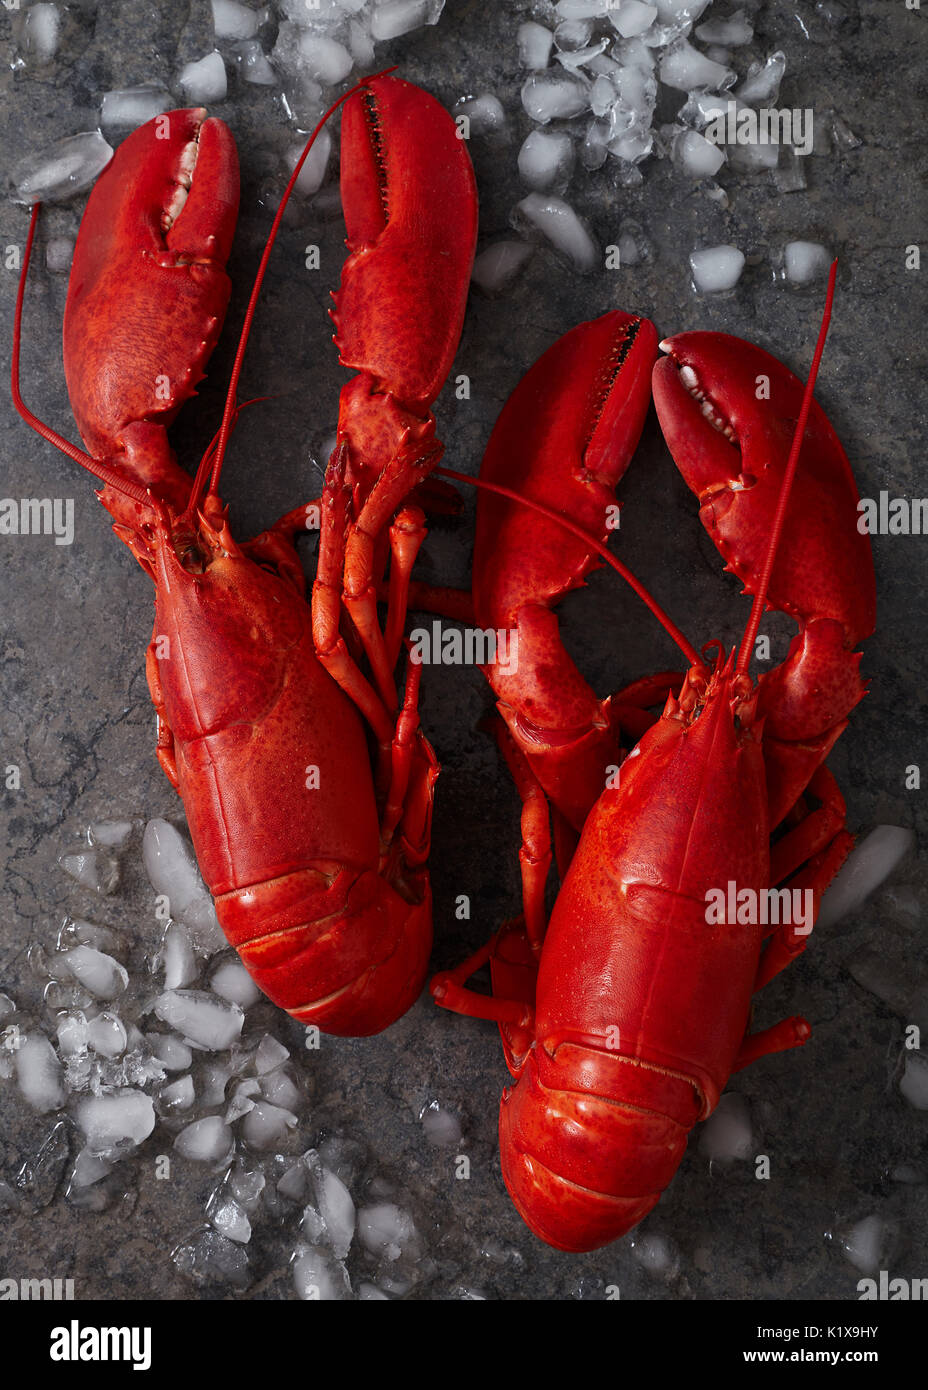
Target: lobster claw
(564, 439)
(410, 205)
(728, 411)
(148, 289)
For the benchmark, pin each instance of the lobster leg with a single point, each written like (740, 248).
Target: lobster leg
(535, 853)
(788, 1033)
(406, 536)
(360, 588)
(814, 831)
(326, 603)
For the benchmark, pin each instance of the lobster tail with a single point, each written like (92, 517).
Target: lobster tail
(583, 1168)
(361, 945)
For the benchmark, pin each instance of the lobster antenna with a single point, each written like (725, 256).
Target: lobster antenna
(209, 455)
(226, 426)
(760, 597)
(669, 626)
(109, 476)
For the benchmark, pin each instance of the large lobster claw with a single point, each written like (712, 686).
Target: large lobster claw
(564, 439)
(148, 289)
(728, 411)
(410, 205)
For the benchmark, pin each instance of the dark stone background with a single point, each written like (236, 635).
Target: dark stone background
(75, 622)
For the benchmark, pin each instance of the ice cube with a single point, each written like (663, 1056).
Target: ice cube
(556, 95)
(179, 1095)
(127, 108)
(386, 1229)
(206, 1141)
(336, 1209)
(442, 1127)
(394, 17)
(761, 87)
(177, 958)
(233, 21)
(361, 44)
(115, 1122)
(173, 1054)
(573, 34)
(270, 1055)
(92, 869)
(173, 874)
(485, 113)
(546, 159)
(313, 172)
(560, 225)
(104, 977)
(535, 42)
(280, 1089)
(318, 1275)
(232, 982)
(696, 156)
(254, 64)
(89, 1169)
(265, 1126)
(733, 31)
(229, 1219)
(727, 1133)
(875, 857)
(655, 1253)
(38, 1072)
(716, 268)
(106, 1034)
(804, 262)
(914, 1083)
(582, 9)
(41, 30)
(211, 1258)
(497, 266)
(790, 173)
(204, 82)
(864, 1244)
(633, 18)
(200, 1018)
(112, 834)
(685, 68)
(325, 59)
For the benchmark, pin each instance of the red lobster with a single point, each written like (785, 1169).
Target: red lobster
(623, 1022)
(317, 863)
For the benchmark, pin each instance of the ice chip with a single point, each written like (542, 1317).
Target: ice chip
(38, 1072)
(205, 1141)
(318, 1276)
(113, 1123)
(201, 1018)
(204, 82)
(727, 1133)
(127, 108)
(497, 266)
(546, 159)
(717, 268)
(558, 224)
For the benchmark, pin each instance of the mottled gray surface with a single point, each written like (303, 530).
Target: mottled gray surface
(76, 620)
